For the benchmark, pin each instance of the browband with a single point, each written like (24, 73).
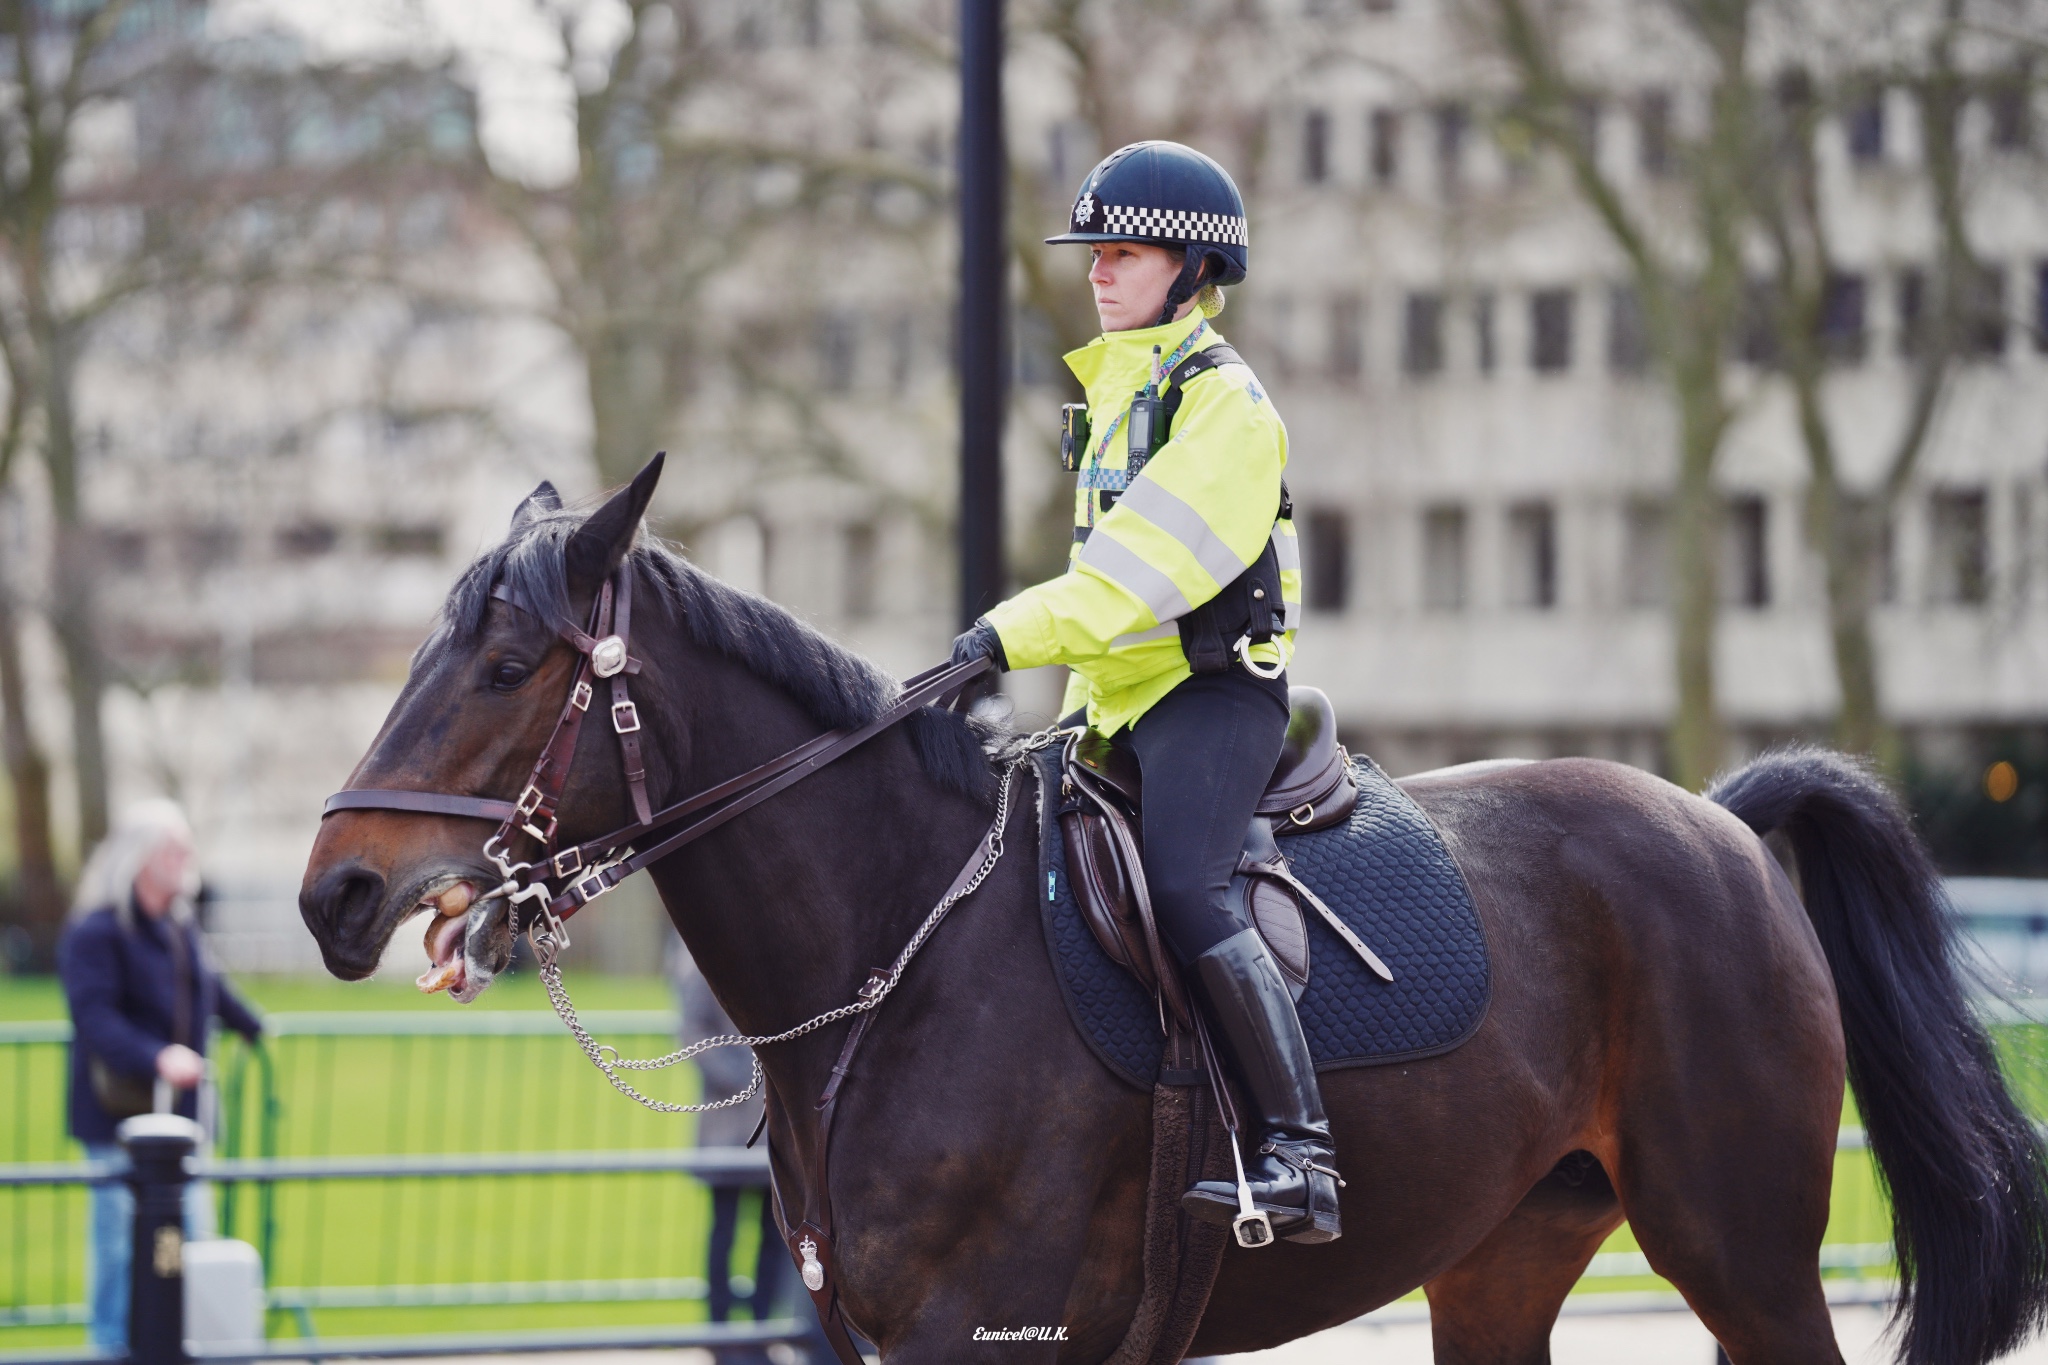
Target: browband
(423, 803)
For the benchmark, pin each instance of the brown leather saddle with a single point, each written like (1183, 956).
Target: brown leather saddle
(1101, 798)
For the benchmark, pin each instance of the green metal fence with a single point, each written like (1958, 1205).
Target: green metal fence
(531, 1248)
(356, 1254)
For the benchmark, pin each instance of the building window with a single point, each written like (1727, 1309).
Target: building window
(1443, 559)
(1864, 124)
(407, 540)
(1653, 133)
(1453, 121)
(1646, 555)
(1386, 146)
(1746, 552)
(1035, 350)
(2041, 307)
(1422, 335)
(125, 549)
(1628, 338)
(1315, 147)
(1327, 558)
(1485, 352)
(1071, 147)
(2009, 101)
(1984, 314)
(1550, 330)
(1961, 553)
(1532, 556)
(1586, 126)
(902, 350)
(1909, 294)
(308, 539)
(1757, 334)
(1347, 337)
(863, 559)
(1844, 336)
(836, 337)
(1277, 315)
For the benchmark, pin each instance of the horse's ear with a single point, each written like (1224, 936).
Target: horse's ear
(541, 499)
(602, 541)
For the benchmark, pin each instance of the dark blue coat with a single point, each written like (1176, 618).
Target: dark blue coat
(120, 987)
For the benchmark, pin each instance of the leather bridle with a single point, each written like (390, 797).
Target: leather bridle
(587, 870)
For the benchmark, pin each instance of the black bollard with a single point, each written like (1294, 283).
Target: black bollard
(157, 1146)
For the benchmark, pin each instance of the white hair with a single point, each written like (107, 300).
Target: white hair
(108, 878)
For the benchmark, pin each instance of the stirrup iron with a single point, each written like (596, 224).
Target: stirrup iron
(1251, 1227)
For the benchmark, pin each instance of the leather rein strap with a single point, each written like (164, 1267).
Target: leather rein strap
(604, 653)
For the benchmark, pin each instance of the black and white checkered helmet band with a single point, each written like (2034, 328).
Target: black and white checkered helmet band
(1166, 225)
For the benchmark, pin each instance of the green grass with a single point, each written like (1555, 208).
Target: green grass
(470, 1093)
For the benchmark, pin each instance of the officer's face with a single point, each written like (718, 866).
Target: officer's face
(1130, 280)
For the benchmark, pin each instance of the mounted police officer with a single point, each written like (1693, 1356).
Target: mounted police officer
(1176, 616)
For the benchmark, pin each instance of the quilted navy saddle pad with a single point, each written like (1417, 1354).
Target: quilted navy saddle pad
(1386, 872)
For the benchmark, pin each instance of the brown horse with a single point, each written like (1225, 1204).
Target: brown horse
(1667, 1042)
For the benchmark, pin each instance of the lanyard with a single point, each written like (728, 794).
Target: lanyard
(1092, 474)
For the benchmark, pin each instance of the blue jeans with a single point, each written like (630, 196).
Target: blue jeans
(110, 1235)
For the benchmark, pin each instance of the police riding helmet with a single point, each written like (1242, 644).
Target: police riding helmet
(1172, 196)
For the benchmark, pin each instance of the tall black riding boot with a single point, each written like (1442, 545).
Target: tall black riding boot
(1291, 1171)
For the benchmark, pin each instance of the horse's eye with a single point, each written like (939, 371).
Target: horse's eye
(508, 675)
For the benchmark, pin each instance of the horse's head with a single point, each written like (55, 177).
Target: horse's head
(483, 696)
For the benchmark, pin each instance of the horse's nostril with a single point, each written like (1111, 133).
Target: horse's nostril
(343, 899)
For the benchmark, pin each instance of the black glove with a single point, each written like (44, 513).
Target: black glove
(980, 641)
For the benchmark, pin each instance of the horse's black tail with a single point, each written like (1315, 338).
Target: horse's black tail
(1965, 1169)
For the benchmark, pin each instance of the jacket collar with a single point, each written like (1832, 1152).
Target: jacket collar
(1119, 361)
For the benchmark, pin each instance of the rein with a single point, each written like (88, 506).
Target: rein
(593, 867)
(604, 651)
(604, 654)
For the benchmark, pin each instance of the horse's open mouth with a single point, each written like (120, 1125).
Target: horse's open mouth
(469, 939)
(448, 969)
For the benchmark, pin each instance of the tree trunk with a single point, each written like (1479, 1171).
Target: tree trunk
(1696, 735)
(74, 603)
(42, 898)
(628, 402)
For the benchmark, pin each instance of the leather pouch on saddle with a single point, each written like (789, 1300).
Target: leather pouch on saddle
(1101, 800)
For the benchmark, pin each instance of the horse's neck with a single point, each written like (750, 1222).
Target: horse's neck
(787, 908)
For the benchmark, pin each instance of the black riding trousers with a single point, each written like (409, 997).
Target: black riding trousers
(1206, 751)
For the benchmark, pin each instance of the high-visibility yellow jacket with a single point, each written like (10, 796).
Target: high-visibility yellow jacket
(1196, 517)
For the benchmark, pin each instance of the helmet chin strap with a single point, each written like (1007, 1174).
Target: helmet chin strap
(1185, 286)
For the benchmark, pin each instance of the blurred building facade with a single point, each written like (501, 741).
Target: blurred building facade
(1480, 457)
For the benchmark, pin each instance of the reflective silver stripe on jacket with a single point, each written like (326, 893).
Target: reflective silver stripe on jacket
(1287, 550)
(1139, 637)
(1152, 502)
(1122, 566)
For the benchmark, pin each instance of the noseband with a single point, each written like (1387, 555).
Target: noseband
(562, 881)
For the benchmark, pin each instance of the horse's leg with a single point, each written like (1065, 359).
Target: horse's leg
(1496, 1306)
(1726, 1117)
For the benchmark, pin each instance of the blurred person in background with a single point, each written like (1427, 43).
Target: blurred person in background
(726, 1071)
(142, 997)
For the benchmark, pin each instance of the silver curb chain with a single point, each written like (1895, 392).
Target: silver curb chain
(607, 1059)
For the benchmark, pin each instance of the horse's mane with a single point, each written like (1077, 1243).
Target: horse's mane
(836, 687)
